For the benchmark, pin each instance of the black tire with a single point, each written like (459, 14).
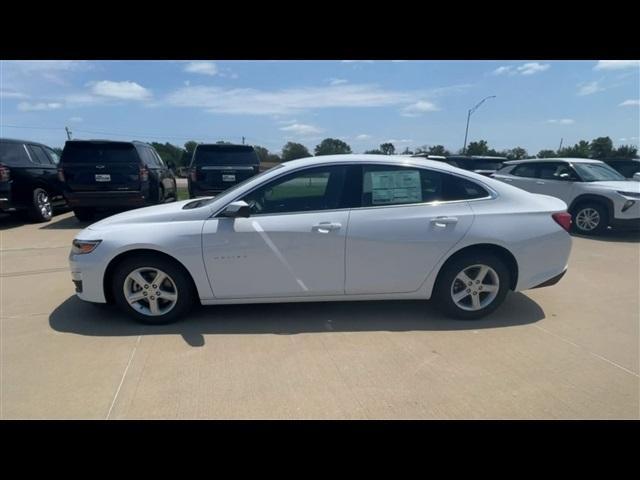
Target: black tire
(183, 288)
(442, 294)
(586, 210)
(84, 214)
(40, 209)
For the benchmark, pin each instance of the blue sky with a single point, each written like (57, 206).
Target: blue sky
(365, 103)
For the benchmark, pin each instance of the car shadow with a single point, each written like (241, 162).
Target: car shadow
(72, 223)
(82, 318)
(611, 235)
(18, 219)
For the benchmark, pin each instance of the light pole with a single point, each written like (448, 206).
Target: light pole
(471, 110)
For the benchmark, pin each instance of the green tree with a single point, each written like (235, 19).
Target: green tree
(547, 154)
(169, 153)
(601, 147)
(332, 146)
(579, 150)
(375, 151)
(517, 153)
(625, 151)
(477, 148)
(265, 156)
(293, 150)
(387, 148)
(406, 151)
(187, 155)
(438, 150)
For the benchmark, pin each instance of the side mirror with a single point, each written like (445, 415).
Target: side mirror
(239, 209)
(566, 177)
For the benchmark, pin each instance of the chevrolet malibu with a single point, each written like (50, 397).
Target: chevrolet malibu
(343, 227)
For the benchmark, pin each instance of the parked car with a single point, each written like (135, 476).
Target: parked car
(341, 227)
(636, 177)
(627, 167)
(28, 179)
(484, 165)
(105, 174)
(596, 194)
(216, 167)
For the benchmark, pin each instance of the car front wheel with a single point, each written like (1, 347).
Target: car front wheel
(472, 285)
(152, 290)
(590, 219)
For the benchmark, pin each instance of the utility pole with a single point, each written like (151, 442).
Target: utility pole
(471, 110)
(68, 133)
(560, 147)
(243, 140)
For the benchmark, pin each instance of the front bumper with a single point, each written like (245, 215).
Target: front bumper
(105, 199)
(87, 277)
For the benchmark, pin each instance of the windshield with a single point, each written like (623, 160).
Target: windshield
(596, 172)
(220, 155)
(207, 201)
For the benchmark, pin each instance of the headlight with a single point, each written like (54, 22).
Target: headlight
(80, 247)
(630, 194)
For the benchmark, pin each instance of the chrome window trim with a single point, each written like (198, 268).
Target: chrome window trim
(492, 193)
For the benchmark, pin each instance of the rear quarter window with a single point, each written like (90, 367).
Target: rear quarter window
(13, 154)
(527, 170)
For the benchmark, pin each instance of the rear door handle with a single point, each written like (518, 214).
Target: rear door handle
(507, 179)
(539, 183)
(326, 227)
(444, 221)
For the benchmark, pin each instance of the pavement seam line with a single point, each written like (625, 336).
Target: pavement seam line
(124, 374)
(34, 272)
(588, 351)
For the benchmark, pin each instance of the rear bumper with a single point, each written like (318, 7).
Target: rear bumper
(105, 199)
(5, 197)
(552, 280)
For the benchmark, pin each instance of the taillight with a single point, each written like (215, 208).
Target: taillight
(60, 174)
(144, 173)
(563, 219)
(5, 173)
(193, 174)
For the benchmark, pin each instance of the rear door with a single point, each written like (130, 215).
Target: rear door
(409, 218)
(523, 175)
(557, 180)
(101, 166)
(45, 169)
(218, 167)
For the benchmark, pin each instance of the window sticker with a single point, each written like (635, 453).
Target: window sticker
(395, 186)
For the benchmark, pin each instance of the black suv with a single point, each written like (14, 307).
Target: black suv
(216, 167)
(484, 165)
(105, 174)
(28, 180)
(627, 167)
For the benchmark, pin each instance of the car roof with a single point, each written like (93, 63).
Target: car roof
(100, 140)
(15, 140)
(544, 160)
(372, 158)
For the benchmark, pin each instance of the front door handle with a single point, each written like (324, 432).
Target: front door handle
(507, 179)
(326, 227)
(539, 183)
(444, 221)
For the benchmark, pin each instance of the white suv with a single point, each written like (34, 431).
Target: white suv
(596, 195)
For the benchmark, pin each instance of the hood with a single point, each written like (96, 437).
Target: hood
(165, 213)
(622, 185)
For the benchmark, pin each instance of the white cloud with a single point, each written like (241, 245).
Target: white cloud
(532, 67)
(76, 119)
(55, 71)
(187, 82)
(404, 140)
(337, 81)
(357, 61)
(616, 64)
(630, 103)
(203, 68)
(529, 68)
(418, 108)
(589, 88)
(562, 121)
(38, 106)
(12, 94)
(363, 136)
(301, 129)
(251, 101)
(121, 90)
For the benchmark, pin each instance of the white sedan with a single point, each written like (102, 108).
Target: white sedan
(343, 227)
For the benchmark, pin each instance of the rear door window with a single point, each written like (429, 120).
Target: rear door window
(38, 155)
(528, 170)
(553, 171)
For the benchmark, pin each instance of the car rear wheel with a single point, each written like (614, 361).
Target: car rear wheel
(83, 214)
(472, 285)
(152, 290)
(590, 219)
(41, 209)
